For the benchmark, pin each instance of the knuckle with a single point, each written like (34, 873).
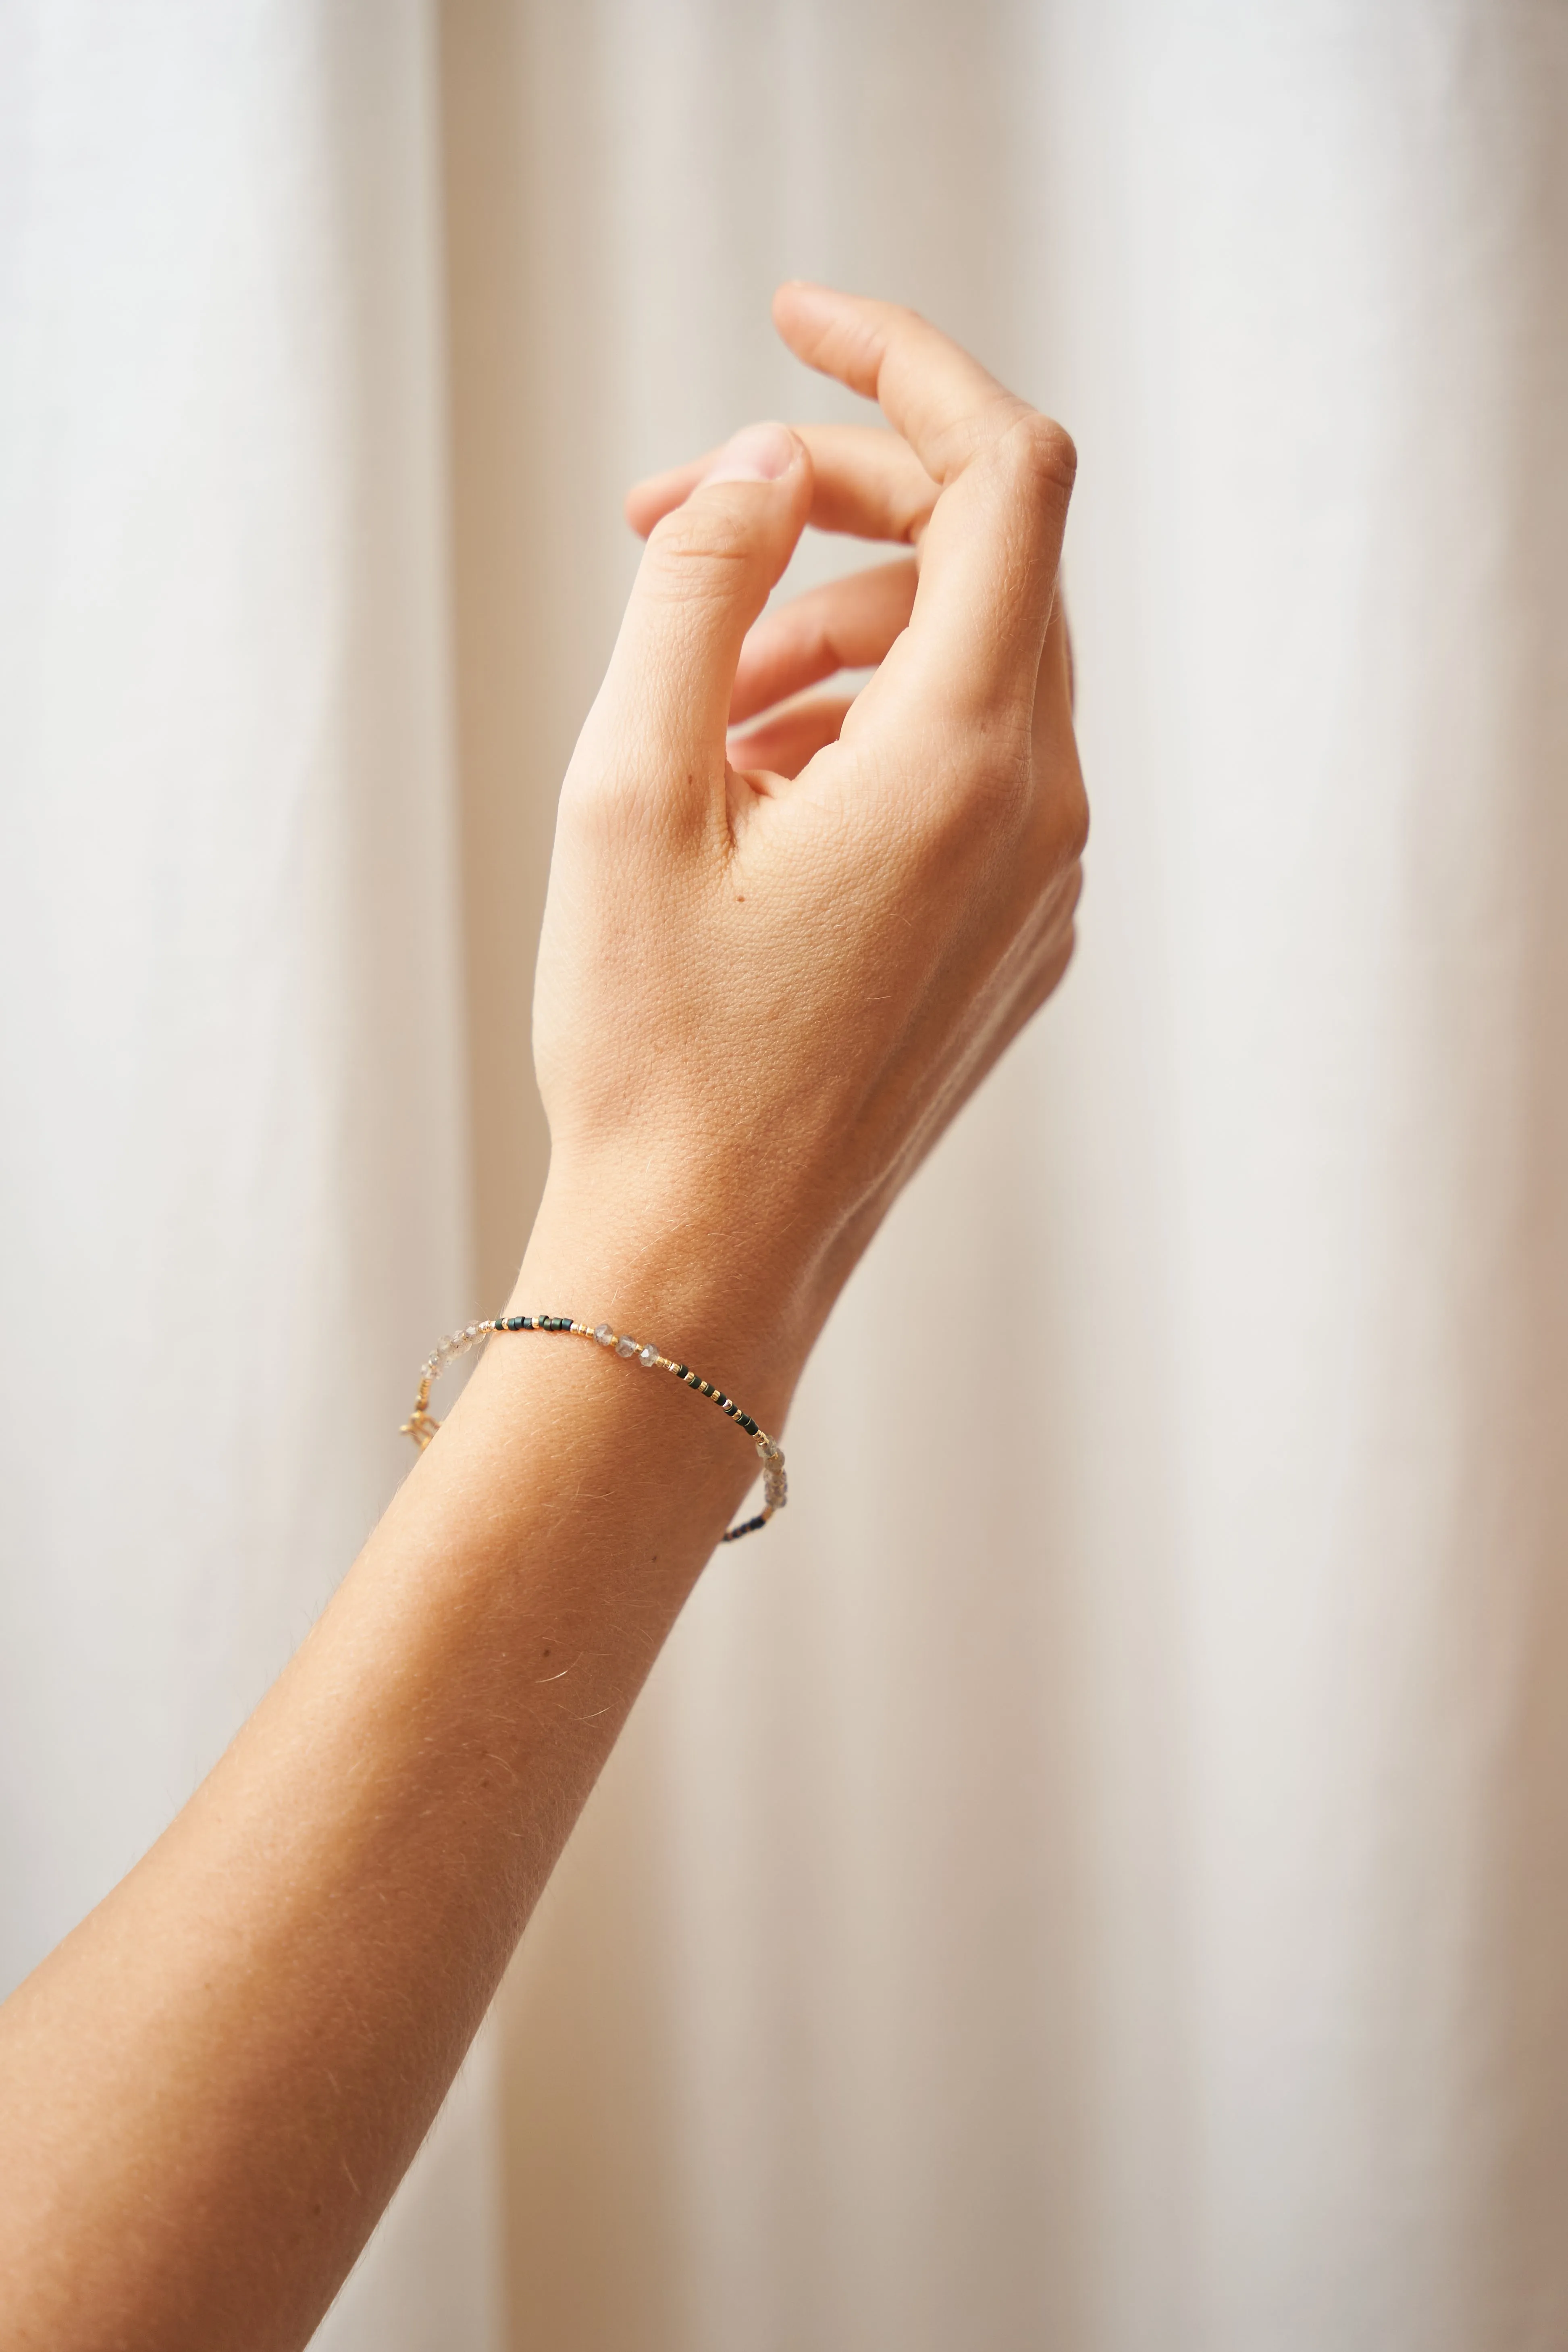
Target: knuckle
(593, 794)
(1071, 827)
(1056, 833)
(621, 788)
(1059, 837)
(901, 318)
(619, 814)
(696, 551)
(1039, 459)
(992, 800)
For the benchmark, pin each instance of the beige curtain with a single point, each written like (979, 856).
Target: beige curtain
(233, 1187)
(1097, 1878)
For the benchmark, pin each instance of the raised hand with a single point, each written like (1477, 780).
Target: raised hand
(784, 945)
(767, 978)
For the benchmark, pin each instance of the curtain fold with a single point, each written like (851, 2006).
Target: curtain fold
(233, 1174)
(1096, 1877)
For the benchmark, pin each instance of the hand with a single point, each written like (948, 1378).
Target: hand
(770, 975)
(765, 987)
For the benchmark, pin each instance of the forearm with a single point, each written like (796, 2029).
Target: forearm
(762, 995)
(213, 2086)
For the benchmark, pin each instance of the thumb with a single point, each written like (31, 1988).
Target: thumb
(704, 576)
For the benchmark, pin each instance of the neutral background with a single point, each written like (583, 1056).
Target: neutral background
(1097, 1877)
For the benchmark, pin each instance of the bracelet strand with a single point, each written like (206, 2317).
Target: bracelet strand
(421, 1424)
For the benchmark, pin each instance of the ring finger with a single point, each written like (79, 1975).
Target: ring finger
(848, 623)
(781, 744)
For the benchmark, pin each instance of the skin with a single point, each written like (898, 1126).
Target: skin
(780, 951)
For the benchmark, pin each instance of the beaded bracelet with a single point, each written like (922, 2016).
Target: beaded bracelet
(422, 1425)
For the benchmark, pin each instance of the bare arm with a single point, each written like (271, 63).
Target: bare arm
(766, 984)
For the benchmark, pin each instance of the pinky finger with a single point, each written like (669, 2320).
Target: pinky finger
(781, 745)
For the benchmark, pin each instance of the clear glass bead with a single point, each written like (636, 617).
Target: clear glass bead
(605, 1336)
(648, 1358)
(626, 1346)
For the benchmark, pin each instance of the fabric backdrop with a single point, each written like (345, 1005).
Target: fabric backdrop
(1097, 1878)
(233, 1185)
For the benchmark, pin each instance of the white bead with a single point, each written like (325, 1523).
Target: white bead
(605, 1336)
(626, 1346)
(648, 1358)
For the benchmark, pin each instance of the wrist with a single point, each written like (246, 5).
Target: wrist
(697, 1282)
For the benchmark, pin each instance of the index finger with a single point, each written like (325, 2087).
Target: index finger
(865, 481)
(944, 404)
(991, 549)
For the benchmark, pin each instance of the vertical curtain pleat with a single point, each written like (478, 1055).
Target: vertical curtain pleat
(1096, 1877)
(232, 1174)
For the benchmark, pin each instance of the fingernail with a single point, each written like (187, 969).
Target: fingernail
(758, 453)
